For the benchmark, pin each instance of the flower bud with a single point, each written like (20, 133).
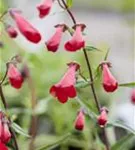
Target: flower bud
(110, 84)
(133, 96)
(80, 121)
(15, 77)
(11, 32)
(5, 134)
(44, 8)
(27, 30)
(102, 118)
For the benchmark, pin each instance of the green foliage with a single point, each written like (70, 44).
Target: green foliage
(69, 3)
(123, 143)
(130, 85)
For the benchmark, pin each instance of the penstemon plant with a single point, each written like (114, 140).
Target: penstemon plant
(68, 87)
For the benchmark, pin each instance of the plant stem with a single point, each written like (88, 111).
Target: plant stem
(91, 77)
(34, 119)
(92, 80)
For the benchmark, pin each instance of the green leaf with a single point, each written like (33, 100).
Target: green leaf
(121, 125)
(130, 85)
(82, 84)
(91, 48)
(107, 53)
(123, 143)
(55, 144)
(19, 130)
(69, 3)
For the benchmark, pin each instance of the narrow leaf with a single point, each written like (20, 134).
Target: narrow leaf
(55, 144)
(107, 53)
(123, 143)
(19, 130)
(121, 125)
(130, 85)
(91, 48)
(82, 84)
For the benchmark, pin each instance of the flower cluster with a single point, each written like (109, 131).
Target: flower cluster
(65, 89)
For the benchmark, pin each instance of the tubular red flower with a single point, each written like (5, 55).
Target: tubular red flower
(133, 96)
(15, 77)
(28, 31)
(53, 43)
(44, 8)
(11, 32)
(77, 42)
(80, 121)
(5, 134)
(3, 146)
(102, 119)
(110, 84)
(65, 88)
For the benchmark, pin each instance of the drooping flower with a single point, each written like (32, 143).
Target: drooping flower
(77, 42)
(5, 134)
(27, 30)
(80, 121)
(110, 84)
(44, 8)
(11, 32)
(133, 96)
(53, 43)
(103, 118)
(3, 146)
(65, 88)
(15, 77)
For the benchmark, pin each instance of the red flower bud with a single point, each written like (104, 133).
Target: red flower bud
(5, 134)
(65, 88)
(110, 84)
(11, 32)
(77, 42)
(102, 119)
(3, 146)
(28, 31)
(44, 8)
(53, 43)
(80, 121)
(15, 77)
(133, 96)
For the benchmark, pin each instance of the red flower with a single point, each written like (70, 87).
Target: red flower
(133, 96)
(15, 77)
(77, 42)
(5, 134)
(44, 8)
(28, 31)
(65, 89)
(102, 119)
(80, 121)
(53, 43)
(3, 146)
(110, 84)
(11, 32)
